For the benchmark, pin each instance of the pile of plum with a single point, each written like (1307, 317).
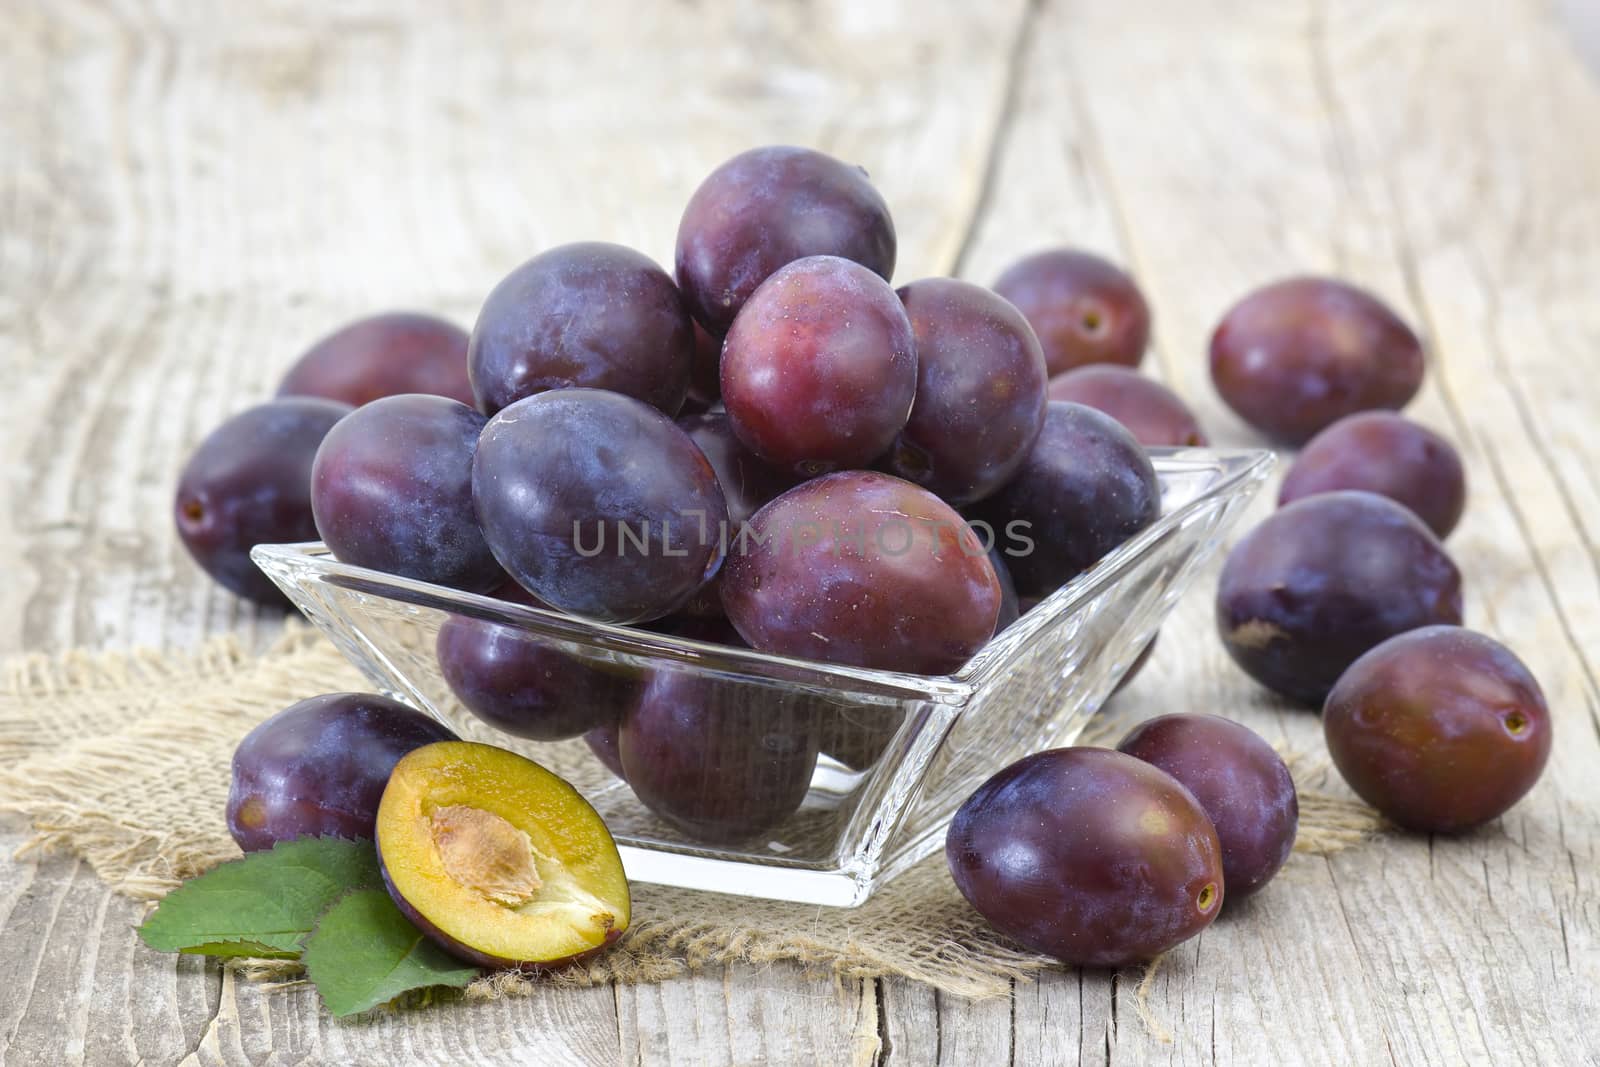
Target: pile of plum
(776, 449)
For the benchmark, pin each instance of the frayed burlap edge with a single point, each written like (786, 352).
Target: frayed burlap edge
(117, 757)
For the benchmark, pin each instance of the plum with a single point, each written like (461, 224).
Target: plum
(590, 314)
(820, 368)
(1241, 782)
(768, 207)
(391, 489)
(602, 741)
(1440, 728)
(697, 753)
(1387, 454)
(980, 391)
(1293, 357)
(1087, 855)
(384, 355)
(748, 482)
(720, 760)
(497, 860)
(249, 483)
(1085, 488)
(1325, 579)
(705, 371)
(1083, 308)
(863, 569)
(526, 685)
(599, 505)
(318, 768)
(1154, 414)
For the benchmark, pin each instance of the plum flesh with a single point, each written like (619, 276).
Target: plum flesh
(318, 768)
(1441, 729)
(500, 862)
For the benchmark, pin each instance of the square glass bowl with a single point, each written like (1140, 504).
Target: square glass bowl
(897, 753)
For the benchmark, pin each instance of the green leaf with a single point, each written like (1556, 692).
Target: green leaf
(365, 953)
(264, 904)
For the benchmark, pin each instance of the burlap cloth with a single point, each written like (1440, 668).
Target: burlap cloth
(122, 758)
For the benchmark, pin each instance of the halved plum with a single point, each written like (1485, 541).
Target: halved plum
(498, 860)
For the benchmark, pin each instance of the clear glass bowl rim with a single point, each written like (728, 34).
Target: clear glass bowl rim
(1237, 465)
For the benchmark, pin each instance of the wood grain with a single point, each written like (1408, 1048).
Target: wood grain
(189, 194)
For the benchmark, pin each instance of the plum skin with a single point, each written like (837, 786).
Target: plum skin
(249, 483)
(698, 754)
(1085, 488)
(1240, 781)
(318, 768)
(766, 208)
(1441, 729)
(556, 477)
(384, 355)
(820, 369)
(523, 684)
(1323, 580)
(863, 569)
(980, 397)
(1084, 309)
(588, 315)
(1295, 356)
(1387, 454)
(1154, 414)
(748, 482)
(391, 489)
(1087, 855)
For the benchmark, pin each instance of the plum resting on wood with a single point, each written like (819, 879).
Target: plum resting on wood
(1323, 580)
(1087, 855)
(1084, 309)
(384, 355)
(1240, 781)
(1441, 729)
(249, 483)
(1295, 356)
(1380, 452)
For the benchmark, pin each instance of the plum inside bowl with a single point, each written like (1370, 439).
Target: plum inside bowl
(764, 775)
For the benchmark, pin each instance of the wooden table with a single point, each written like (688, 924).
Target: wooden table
(189, 195)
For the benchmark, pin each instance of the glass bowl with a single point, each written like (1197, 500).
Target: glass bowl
(896, 753)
